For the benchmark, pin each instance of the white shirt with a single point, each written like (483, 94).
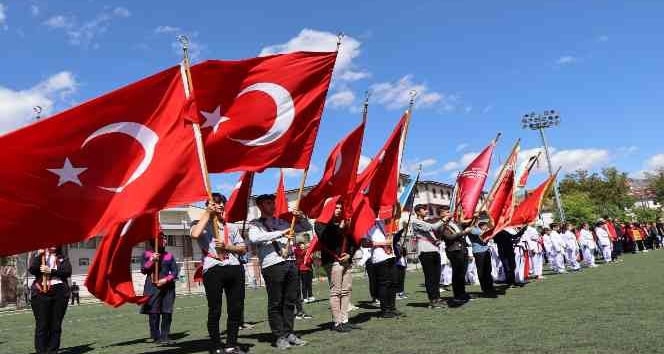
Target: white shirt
(587, 239)
(548, 242)
(532, 238)
(557, 242)
(570, 240)
(602, 236)
(378, 255)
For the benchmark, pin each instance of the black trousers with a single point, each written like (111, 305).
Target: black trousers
(459, 266)
(371, 275)
(431, 267)
(617, 250)
(306, 283)
(401, 279)
(483, 263)
(160, 325)
(75, 297)
(282, 285)
(508, 259)
(217, 280)
(386, 282)
(49, 309)
(640, 245)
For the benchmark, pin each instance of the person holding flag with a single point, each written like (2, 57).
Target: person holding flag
(222, 272)
(160, 287)
(427, 248)
(269, 235)
(337, 246)
(49, 296)
(455, 246)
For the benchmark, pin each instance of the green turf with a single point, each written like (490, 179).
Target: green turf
(615, 308)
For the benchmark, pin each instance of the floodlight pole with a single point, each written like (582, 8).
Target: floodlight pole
(540, 122)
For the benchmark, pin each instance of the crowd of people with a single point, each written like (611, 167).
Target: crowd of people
(451, 254)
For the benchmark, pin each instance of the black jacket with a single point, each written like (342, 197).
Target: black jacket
(62, 272)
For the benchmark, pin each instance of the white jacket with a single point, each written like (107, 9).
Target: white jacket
(557, 242)
(570, 240)
(587, 239)
(602, 236)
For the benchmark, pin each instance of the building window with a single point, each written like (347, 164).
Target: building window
(136, 259)
(170, 240)
(83, 262)
(435, 194)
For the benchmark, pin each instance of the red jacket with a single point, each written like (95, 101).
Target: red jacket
(299, 259)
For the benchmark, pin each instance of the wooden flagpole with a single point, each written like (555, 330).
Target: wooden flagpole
(251, 187)
(185, 71)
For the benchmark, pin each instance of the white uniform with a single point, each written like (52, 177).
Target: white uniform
(571, 250)
(604, 242)
(521, 257)
(446, 269)
(588, 248)
(471, 270)
(497, 271)
(535, 250)
(558, 246)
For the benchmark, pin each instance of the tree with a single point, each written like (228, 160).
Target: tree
(656, 185)
(578, 207)
(608, 192)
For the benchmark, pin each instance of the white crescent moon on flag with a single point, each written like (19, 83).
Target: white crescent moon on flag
(142, 134)
(285, 112)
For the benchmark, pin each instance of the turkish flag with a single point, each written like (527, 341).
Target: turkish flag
(237, 205)
(109, 277)
(80, 172)
(339, 176)
(380, 179)
(280, 201)
(501, 199)
(314, 246)
(529, 209)
(364, 218)
(262, 112)
(471, 181)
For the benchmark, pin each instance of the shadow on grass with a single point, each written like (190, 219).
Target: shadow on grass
(173, 336)
(79, 349)
(192, 346)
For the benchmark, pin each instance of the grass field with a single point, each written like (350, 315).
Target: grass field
(616, 308)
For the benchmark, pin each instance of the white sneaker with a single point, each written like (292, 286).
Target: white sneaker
(311, 299)
(353, 308)
(306, 301)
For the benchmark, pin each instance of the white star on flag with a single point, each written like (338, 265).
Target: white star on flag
(68, 173)
(213, 119)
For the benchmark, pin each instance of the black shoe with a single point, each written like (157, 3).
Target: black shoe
(399, 313)
(341, 328)
(434, 304)
(352, 325)
(455, 303)
(387, 315)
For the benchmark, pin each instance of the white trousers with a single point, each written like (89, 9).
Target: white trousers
(446, 275)
(471, 274)
(606, 252)
(537, 264)
(570, 258)
(519, 272)
(589, 257)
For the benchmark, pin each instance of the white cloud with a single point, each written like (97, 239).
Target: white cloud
(167, 29)
(59, 21)
(395, 95)
(487, 109)
(17, 106)
(603, 38)
(85, 34)
(461, 147)
(655, 162)
(411, 167)
(320, 41)
(468, 109)
(566, 59)
(224, 187)
(568, 160)
(121, 12)
(460, 164)
(364, 162)
(3, 16)
(341, 99)
(297, 173)
(34, 10)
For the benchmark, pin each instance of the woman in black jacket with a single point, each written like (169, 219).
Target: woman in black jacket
(49, 297)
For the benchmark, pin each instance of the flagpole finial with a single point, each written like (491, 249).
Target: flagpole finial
(413, 95)
(184, 42)
(365, 105)
(419, 169)
(38, 111)
(340, 36)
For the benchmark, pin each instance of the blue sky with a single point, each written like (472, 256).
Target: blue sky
(478, 67)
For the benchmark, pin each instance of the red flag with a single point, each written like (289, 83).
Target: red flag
(314, 247)
(237, 206)
(326, 215)
(80, 172)
(263, 112)
(364, 218)
(280, 201)
(501, 198)
(471, 182)
(380, 180)
(339, 176)
(109, 277)
(529, 209)
(526, 172)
